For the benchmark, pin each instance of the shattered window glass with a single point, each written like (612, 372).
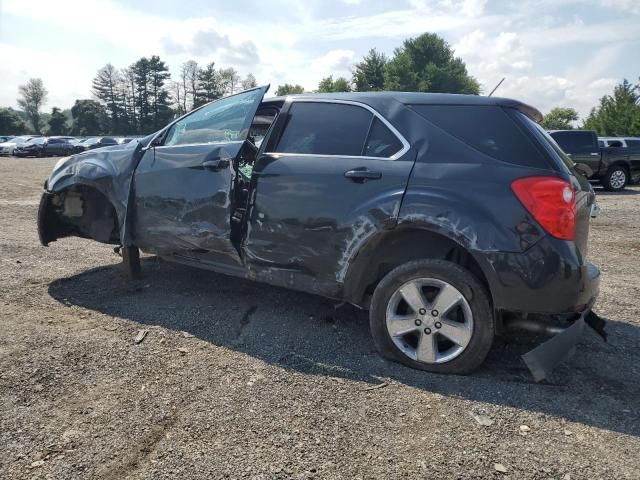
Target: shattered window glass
(219, 122)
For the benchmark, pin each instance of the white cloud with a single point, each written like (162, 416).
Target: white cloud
(334, 61)
(631, 6)
(319, 39)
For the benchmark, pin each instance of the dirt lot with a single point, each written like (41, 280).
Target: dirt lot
(242, 380)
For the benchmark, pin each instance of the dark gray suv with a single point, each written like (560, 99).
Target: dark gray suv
(452, 218)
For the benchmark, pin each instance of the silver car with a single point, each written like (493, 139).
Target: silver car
(7, 148)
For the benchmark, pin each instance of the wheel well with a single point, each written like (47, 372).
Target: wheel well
(82, 211)
(383, 254)
(620, 163)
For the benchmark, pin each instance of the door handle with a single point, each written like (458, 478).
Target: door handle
(217, 164)
(595, 154)
(362, 174)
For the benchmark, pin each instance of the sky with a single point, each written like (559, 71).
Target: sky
(552, 52)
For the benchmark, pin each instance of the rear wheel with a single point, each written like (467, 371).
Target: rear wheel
(432, 315)
(616, 178)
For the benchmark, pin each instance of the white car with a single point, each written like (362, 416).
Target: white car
(623, 142)
(7, 148)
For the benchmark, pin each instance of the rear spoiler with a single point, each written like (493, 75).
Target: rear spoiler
(533, 113)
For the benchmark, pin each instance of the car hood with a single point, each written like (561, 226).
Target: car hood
(8, 144)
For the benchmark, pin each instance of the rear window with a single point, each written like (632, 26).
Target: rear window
(488, 129)
(382, 142)
(575, 142)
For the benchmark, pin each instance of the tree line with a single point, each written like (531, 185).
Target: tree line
(143, 97)
(616, 115)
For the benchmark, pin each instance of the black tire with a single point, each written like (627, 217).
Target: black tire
(611, 180)
(473, 292)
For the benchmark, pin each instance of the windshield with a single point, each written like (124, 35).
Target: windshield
(35, 141)
(91, 141)
(18, 140)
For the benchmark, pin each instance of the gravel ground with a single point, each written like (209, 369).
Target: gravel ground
(241, 380)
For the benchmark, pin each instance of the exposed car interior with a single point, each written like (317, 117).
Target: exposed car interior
(262, 122)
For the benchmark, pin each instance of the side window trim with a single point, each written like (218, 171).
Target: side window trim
(405, 144)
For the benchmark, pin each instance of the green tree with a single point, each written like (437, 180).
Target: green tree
(368, 75)
(152, 99)
(89, 118)
(57, 122)
(105, 87)
(288, 89)
(33, 97)
(209, 86)
(427, 64)
(11, 123)
(559, 118)
(141, 73)
(617, 114)
(160, 97)
(328, 85)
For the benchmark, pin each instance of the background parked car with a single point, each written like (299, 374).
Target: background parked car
(5, 138)
(8, 148)
(614, 167)
(94, 142)
(45, 147)
(623, 142)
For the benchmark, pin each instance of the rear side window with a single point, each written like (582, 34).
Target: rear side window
(574, 142)
(488, 129)
(325, 129)
(382, 142)
(633, 143)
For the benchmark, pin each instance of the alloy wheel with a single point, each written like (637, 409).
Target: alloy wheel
(618, 179)
(429, 320)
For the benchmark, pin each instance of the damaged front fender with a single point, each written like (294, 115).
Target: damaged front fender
(104, 173)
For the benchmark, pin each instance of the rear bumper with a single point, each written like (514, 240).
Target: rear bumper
(549, 278)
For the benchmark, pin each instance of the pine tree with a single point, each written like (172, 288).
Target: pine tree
(105, 88)
(209, 86)
(617, 114)
(368, 75)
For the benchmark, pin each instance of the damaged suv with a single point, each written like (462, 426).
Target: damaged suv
(452, 218)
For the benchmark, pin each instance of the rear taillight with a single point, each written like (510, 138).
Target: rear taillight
(552, 203)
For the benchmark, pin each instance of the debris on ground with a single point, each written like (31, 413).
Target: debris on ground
(483, 420)
(140, 337)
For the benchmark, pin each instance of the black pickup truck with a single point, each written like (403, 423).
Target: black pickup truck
(613, 167)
